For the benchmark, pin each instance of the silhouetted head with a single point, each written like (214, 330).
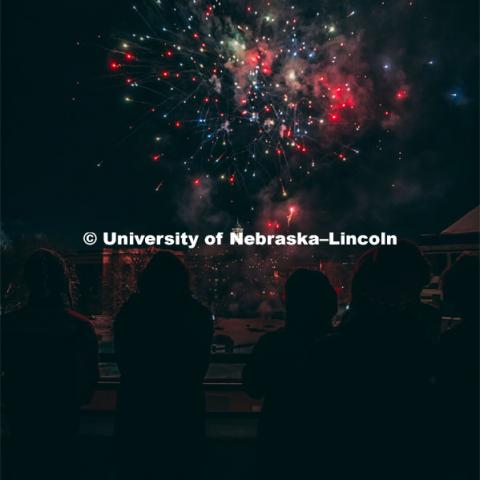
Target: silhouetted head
(311, 303)
(391, 275)
(47, 277)
(165, 276)
(460, 285)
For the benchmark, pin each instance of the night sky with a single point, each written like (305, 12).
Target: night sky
(64, 114)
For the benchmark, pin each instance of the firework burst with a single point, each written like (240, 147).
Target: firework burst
(252, 93)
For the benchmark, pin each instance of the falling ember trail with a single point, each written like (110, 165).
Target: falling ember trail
(291, 212)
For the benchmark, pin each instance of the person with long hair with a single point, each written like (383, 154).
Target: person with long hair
(49, 369)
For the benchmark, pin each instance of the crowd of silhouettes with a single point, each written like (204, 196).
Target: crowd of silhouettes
(384, 393)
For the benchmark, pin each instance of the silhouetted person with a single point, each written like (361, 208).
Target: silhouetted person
(49, 366)
(280, 370)
(162, 342)
(458, 375)
(384, 365)
(389, 280)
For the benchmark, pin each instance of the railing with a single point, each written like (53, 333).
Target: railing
(214, 358)
(223, 395)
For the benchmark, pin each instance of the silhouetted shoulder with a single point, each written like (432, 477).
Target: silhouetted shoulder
(200, 321)
(430, 319)
(133, 303)
(271, 340)
(26, 314)
(200, 310)
(270, 344)
(41, 325)
(258, 372)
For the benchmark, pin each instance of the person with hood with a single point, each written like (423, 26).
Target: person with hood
(386, 401)
(282, 370)
(162, 342)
